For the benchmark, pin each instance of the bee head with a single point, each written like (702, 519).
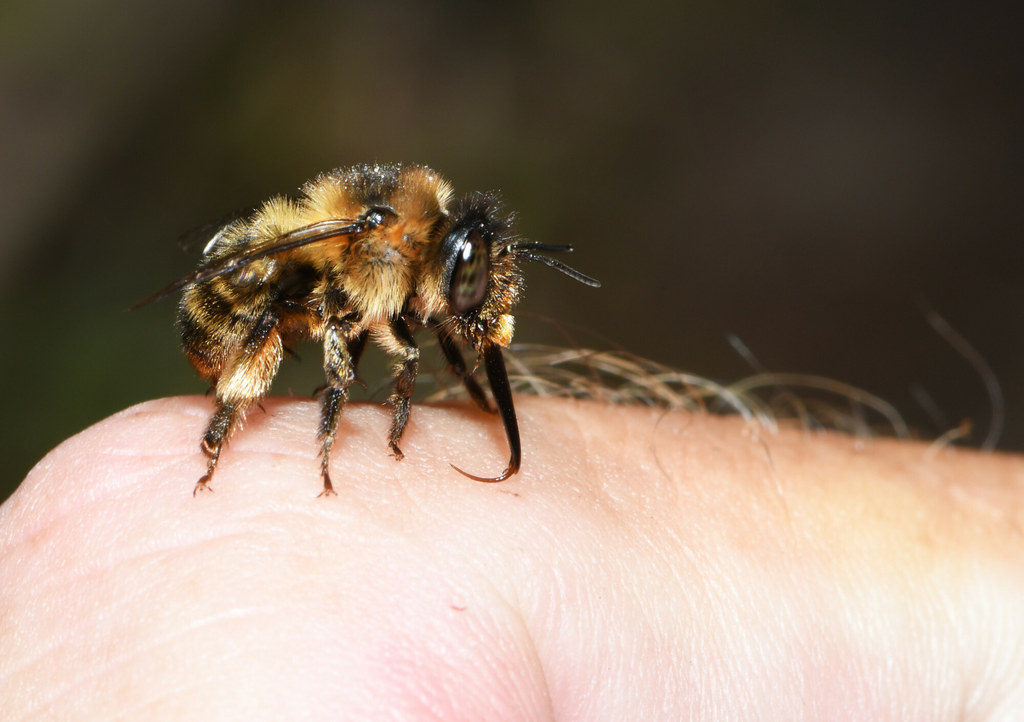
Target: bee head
(476, 278)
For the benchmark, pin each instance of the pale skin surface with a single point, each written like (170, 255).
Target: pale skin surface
(643, 565)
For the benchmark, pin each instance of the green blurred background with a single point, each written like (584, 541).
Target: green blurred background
(797, 174)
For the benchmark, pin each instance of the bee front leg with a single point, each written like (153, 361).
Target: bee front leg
(245, 380)
(343, 344)
(458, 366)
(400, 341)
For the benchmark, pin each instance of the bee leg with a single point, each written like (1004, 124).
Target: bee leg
(497, 376)
(355, 352)
(213, 440)
(343, 345)
(458, 366)
(401, 342)
(245, 380)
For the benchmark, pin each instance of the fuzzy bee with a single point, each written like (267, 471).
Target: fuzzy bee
(371, 251)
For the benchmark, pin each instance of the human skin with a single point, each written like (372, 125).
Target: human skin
(643, 565)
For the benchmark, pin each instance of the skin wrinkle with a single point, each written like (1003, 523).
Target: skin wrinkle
(579, 463)
(484, 621)
(621, 505)
(534, 659)
(523, 650)
(542, 591)
(148, 648)
(625, 512)
(985, 672)
(617, 591)
(100, 569)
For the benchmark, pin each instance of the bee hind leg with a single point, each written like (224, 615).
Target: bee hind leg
(244, 381)
(221, 423)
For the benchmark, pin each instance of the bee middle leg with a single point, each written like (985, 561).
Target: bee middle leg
(398, 339)
(245, 380)
(344, 340)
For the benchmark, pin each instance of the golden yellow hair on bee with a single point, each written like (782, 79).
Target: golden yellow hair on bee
(373, 251)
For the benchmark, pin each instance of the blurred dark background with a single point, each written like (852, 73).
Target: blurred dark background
(796, 174)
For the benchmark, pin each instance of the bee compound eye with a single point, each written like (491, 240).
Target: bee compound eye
(376, 217)
(470, 275)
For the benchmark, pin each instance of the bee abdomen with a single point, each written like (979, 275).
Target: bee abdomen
(213, 325)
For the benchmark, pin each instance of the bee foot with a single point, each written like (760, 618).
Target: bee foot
(203, 485)
(328, 488)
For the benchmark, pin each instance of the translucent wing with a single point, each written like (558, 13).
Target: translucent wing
(313, 233)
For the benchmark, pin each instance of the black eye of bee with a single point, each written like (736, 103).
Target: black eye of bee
(467, 279)
(376, 217)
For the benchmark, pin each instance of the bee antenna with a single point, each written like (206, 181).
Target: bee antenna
(526, 250)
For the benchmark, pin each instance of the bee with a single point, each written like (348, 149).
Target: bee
(367, 252)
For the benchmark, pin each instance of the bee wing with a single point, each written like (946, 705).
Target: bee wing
(196, 239)
(304, 236)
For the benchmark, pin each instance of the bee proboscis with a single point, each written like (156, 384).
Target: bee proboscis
(371, 251)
